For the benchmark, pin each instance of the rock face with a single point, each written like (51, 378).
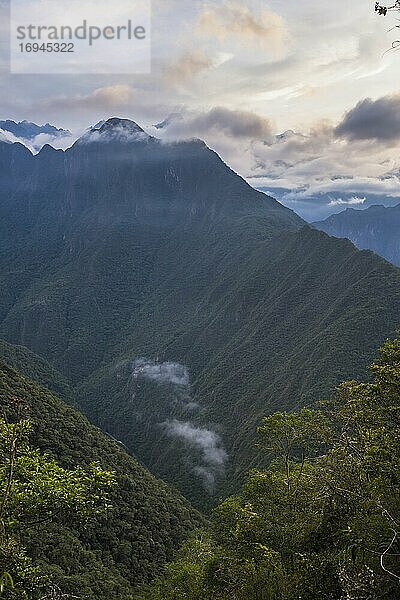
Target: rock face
(376, 228)
(181, 304)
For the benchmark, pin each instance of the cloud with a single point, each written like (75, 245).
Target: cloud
(166, 372)
(238, 124)
(188, 66)
(6, 136)
(63, 140)
(203, 439)
(60, 141)
(114, 130)
(234, 123)
(233, 19)
(349, 202)
(101, 100)
(209, 444)
(372, 120)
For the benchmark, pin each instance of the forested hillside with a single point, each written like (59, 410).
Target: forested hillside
(109, 555)
(321, 521)
(298, 317)
(37, 369)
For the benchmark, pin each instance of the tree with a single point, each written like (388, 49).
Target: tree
(34, 489)
(322, 521)
(383, 11)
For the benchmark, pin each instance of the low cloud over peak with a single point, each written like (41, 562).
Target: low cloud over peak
(237, 124)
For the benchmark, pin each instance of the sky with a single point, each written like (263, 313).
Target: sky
(301, 98)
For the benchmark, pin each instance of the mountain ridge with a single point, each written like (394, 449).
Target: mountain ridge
(376, 228)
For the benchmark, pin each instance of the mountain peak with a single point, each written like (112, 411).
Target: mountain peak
(116, 130)
(126, 124)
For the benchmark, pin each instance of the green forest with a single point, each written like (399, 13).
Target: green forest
(80, 514)
(318, 519)
(321, 520)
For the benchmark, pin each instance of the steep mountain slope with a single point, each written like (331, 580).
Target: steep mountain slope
(82, 230)
(376, 228)
(111, 555)
(300, 313)
(36, 368)
(182, 304)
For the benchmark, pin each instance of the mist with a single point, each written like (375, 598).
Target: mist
(208, 443)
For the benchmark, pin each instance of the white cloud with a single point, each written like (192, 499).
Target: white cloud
(204, 439)
(350, 202)
(161, 372)
(208, 443)
(6, 136)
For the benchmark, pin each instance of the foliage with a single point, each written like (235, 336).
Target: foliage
(35, 489)
(108, 555)
(322, 521)
(383, 11)
(6, 582)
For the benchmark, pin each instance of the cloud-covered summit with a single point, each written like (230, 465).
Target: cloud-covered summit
(316, 171)
(115, 130)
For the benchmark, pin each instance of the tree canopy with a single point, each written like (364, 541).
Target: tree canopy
(321, 521)
(35, 489)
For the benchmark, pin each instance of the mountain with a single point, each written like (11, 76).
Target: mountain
(376, 228)
(112, 555)
(180, 304)
(36, 368)
(28, 131)
(97, 218)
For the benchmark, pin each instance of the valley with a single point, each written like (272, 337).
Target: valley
(180, 304)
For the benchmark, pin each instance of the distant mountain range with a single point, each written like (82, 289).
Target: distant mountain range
(376, 228)
(28, 131)
(179, 304)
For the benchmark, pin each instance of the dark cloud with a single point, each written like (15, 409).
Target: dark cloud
(372, 120)
(234, 123)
